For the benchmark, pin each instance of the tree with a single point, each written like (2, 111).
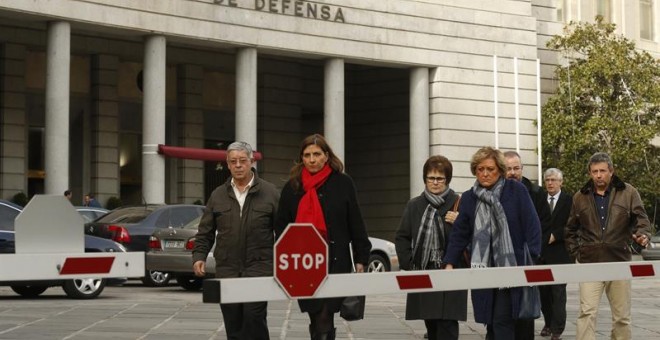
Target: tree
(608, 99)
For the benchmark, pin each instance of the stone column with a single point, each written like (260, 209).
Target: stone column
(105, 176)
(153, 119)
(56, 136)
(333, 106)
(246, 96)
(190, 179)
(13, 124)
(419, 126)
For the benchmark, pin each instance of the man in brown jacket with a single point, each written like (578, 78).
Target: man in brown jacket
(239, 218)
(606, 215)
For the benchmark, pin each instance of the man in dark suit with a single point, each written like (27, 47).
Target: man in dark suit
(514, 170)
(553, 251)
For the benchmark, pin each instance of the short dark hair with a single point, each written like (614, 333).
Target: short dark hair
(600, 157)
(67, 192)
(439, 163)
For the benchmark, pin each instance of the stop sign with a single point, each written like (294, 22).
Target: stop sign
(301, 260)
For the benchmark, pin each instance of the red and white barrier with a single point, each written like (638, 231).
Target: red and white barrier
(267, 289)
(50, 245)
(26, 267)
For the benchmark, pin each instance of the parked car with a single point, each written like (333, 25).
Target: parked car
(90, 214)
(170, 250)
(88, 288)
(133, 226)
(652, 252)
(383, 256)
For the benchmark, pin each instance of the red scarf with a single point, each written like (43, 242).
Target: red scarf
(309, 207)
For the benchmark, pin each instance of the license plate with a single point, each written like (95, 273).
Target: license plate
(174, 244)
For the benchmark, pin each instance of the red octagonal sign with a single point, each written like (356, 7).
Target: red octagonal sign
(301, 260)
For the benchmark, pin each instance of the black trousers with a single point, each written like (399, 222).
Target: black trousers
(503, 326)
(553, 306)
(440, 329)
(524, 329)
(245, 321)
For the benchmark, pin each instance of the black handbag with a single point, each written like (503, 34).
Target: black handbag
(352, 308)
(530, 298)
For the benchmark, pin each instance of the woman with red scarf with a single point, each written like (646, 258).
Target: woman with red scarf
(319, 192)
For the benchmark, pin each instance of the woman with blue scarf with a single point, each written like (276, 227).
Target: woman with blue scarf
(496, 219)
(420, 243)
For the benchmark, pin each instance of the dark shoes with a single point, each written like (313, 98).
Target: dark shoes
(546, 331)
(322, 336)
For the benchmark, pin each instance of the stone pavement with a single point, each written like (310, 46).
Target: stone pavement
(136, 312)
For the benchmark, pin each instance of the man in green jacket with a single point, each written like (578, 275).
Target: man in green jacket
(239, 219)
(606, 215)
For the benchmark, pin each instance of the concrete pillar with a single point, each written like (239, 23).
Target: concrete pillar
(105, 176)
(419, 126)
(153, 119)
(13, 124)
(56, 139)
(246, 96)
(190, 179)
(333, 106)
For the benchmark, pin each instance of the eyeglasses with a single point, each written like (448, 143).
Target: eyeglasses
(237, 161)
(432, 179)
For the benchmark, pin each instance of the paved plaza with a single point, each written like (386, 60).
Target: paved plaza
(136, 312)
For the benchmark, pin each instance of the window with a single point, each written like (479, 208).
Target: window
(604, 9)
(646, 19)
(559, 5)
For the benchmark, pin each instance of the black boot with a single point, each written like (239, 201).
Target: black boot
(330, 335)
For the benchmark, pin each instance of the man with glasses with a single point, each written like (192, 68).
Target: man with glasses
(553, 251)
(514, 169)
(239, 218)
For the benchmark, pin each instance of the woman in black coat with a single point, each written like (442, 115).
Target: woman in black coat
(318, 192)
(420, 242)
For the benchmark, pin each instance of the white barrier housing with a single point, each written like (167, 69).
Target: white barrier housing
(50, 245)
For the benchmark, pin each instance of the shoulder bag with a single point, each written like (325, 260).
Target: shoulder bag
(530, 299)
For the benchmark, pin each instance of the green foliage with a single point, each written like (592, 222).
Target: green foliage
(608, 99)
(113, 203)
(20, 199)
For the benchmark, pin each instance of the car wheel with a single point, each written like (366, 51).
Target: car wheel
(153, 278)
(378, 263)
(84, 288)
(191, 283)
(29, 291)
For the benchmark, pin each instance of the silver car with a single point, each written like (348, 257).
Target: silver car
(170, 250)
(652, 252)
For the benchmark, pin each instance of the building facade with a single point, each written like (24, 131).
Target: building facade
(89, 89)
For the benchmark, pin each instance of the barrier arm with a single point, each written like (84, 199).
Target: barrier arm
(266, 288)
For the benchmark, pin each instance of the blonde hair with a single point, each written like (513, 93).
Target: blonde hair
(485, 153)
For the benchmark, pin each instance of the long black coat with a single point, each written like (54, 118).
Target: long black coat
(556, 252)
(344, 223)
(450, 305)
